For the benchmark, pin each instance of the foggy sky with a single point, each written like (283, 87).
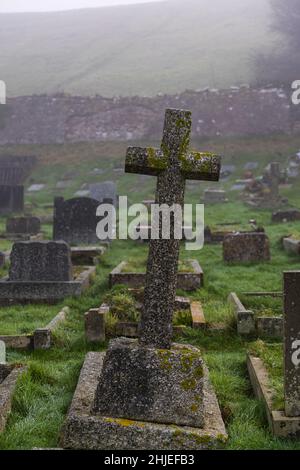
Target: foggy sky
(13, 6)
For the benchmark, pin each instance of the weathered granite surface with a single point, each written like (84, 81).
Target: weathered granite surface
(23, 225)
(40, 261)
(84, 430)
(75, 220)
(289, 215)
(148, 384)
(173, 163)
(246, 247)
(292, 343)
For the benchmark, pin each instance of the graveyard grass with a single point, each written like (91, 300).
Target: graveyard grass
(45, 391)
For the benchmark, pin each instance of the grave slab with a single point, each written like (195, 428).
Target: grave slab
(249, 325)
(185, 281)
(42, 271)
(280, 425)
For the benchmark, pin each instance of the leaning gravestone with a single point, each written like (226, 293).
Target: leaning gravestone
(246, 247)
(292, 343)
(160, 387)
(75, 220)
(23, 226)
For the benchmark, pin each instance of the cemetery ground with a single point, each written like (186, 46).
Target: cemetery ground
(45, 391)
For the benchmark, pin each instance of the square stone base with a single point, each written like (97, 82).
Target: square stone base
(83, 430)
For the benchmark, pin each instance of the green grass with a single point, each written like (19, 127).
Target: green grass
(25, 319)
(189, 45)
(44, 394)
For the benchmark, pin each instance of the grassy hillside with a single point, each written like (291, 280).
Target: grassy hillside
(135, 49)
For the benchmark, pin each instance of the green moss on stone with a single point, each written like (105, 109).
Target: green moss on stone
(160, 163)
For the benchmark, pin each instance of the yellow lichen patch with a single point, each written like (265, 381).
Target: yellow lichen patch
(124, 422)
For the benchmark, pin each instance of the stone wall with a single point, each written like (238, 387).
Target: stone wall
(239, 111)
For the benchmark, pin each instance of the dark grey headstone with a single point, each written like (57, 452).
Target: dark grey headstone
(11, 199)
(75, 220)
(246, 247)
(214, 196)
(23, 225)
(2, 259)
(292, 343)
(40, 261)
(289, 215)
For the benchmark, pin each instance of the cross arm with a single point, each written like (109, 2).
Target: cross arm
(201, 166)
(145, 161)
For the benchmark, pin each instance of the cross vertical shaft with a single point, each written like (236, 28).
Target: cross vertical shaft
(173, 163)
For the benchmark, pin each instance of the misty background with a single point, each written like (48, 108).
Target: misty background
(147, 48)
(57, 5)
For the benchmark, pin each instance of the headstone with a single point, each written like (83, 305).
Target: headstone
(292, 343)
(11, 199)
(149, 380)
(105, 190)
(35, 188)
(23, 225)
(250, 166)
(95, 324)
(63, 184)
(75, 220)
(214, 196)
(82, 193)
(2, 259)
(274, 179)
(40, 261)
(246, 247)
(2, 352)
(289, 215)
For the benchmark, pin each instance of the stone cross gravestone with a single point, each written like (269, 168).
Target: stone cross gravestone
(173, 164)
(40, 261)
(151, 379)
(151, 394)
(292, 343)
(2, 353)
